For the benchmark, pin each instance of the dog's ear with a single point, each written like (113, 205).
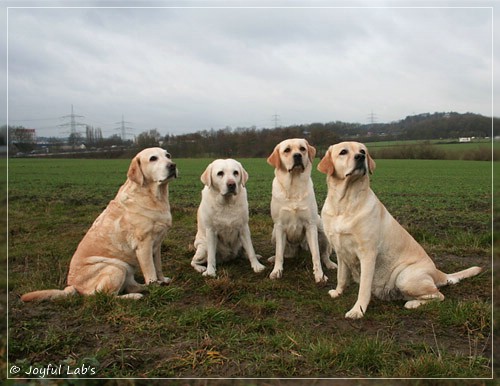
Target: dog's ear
(206, 177)
(274, 159)
(311, 152)
(371, 163)
(326, 164)
(134, 171)
(244, 175)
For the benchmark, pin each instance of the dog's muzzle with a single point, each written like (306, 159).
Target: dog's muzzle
(231, 188)
(297, 162)
(360, 164)
(172, 172)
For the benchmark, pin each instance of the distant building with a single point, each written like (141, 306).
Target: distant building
(464, 139)
(22, 135)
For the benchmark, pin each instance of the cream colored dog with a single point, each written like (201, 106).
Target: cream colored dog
(371, 245)
(223, 218)
(294, 209)
(127, 234)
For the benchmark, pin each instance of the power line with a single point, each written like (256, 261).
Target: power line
(34, 119)
(276, 118)
(72, 122)
(123, 129)
(372, 118)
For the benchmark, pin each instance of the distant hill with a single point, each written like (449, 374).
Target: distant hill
(435, 126)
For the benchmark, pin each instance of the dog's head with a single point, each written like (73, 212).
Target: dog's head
(225, 176)
(152, 165)
(292, 155)
(347, 159)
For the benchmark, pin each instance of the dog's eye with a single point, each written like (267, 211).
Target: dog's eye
(343, 152)
(287, 150)
(302, 148)
(220, 174)
(168, 155)
(235, 173)
(362, 151)
(153, 158)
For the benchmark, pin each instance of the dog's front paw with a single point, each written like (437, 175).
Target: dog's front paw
(334, 293)
(355, 313)
(209, 272)
(276, 274)
(320, 277)
(258, 267)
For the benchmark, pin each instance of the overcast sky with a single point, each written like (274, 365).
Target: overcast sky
(187, 69)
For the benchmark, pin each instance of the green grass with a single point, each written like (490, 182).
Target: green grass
(243, 324)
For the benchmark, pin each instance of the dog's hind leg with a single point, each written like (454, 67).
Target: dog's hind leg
(418, 289)
(424, 299)
(110, 276)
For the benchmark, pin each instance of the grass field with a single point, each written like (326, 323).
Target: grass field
(242, 324)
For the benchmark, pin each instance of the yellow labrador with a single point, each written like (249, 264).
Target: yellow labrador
(294, 209)
(371, 245)
(223, 218)
(127, 234)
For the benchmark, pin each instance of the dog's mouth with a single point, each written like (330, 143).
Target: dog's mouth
(230, 191)
(299, 166)
(359, 169)
(172, 174)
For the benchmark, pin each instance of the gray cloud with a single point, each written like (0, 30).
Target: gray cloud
(181, 70)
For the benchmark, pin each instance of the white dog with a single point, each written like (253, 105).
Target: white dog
(294, 209)
(126, 235)
(223, 218)
(371, 245)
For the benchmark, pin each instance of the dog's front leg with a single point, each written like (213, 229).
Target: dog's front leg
(246, 241)
(280, 238)
(312, 241)
(342, 278)
(157, 262)
(367, 267)
(146, 261)
(211, 235)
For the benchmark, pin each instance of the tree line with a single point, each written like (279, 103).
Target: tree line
(252, 142)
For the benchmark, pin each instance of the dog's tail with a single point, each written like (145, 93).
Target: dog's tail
(454, 278)
(48, 294)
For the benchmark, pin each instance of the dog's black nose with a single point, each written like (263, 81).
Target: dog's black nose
(231, 186)
(297, 157)
(172, 166)
(359, 157)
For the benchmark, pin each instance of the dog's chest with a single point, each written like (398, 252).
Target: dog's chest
(226, 220)
(291, 211)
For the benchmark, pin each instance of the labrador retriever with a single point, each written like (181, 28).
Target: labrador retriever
(127, 234)
(371, 245)
(294, 209)
(222, 217)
